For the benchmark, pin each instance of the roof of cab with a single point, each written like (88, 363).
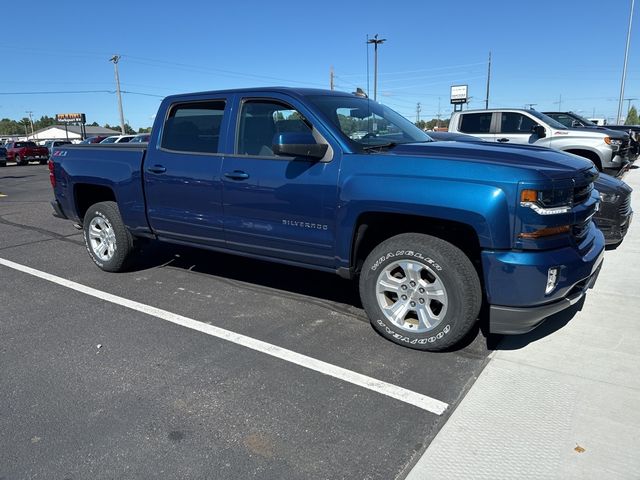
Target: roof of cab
(293, 91)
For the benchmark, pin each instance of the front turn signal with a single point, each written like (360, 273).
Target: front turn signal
(545, 232)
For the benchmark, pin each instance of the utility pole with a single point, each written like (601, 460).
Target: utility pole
(418, 110)
(486, 101)
(115, 59)
(559, 102)
(375, 42)
(629, 100)
(30, 113)
(438, 117)
(331, 78)
(624, 68)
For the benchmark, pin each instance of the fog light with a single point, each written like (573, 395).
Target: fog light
(552, 279)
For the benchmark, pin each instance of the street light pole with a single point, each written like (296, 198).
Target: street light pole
(375, 42)
(115, 60)
(624, 68)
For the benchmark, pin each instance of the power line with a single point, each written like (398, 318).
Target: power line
(422, 70)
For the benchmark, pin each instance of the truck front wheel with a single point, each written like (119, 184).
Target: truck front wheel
(420, 291)
(109, 243)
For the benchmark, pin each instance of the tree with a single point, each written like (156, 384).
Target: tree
(94, 124)
(632, 117)
(144, 130)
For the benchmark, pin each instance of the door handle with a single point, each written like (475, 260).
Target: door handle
(156, 169)
(237, 175)
(502, 140)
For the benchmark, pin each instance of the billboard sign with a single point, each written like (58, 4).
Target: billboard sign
(459, 93)
(71, 118)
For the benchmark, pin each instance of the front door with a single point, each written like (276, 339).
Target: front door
(514, 127)
(182, 174)
(276, 205)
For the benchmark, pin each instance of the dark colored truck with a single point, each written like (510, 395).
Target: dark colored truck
(25, 152)
(339, 183)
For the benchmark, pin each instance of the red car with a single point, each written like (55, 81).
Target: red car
(25, 152)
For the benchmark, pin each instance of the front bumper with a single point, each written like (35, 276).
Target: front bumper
(515, 282)
(517, 320)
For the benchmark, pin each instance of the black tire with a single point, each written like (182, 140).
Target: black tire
(43, 162)
(3, 164)
(107, 213)
(438, 261)
(19, 160)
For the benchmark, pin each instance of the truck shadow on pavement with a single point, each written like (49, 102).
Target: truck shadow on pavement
(325, 289)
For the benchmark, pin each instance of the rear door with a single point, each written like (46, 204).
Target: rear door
(182, 173)
(478, 124)
(274, 205)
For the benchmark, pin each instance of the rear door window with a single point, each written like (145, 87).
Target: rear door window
(476, 122)
(194, 127)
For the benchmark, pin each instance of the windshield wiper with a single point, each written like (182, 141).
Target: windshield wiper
(380, 145)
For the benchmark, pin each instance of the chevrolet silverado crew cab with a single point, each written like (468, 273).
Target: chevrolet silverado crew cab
(531, 127)
(24, 152)
(430, 229)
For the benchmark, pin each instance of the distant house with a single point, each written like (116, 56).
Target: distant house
(72, 133)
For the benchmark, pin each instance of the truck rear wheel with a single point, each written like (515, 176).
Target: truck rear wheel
(19, 160)
(109, 243)
(420, 291)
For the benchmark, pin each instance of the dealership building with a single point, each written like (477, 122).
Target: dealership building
(72, 133)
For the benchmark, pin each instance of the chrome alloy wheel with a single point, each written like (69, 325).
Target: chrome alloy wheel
(102, 238)
(411, 295)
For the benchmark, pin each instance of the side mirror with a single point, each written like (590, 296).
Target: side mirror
(298, 144)
(539, 131)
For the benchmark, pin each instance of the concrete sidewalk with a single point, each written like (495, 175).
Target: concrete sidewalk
(557, 404)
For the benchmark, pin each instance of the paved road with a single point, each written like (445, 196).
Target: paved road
(158, 400)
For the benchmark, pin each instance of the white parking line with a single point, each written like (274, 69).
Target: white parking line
(407, 396)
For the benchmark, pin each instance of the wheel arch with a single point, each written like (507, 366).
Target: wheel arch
(372, 228)
(86, 194)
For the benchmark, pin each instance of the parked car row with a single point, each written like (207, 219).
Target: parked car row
(24, 152)
(139, 138)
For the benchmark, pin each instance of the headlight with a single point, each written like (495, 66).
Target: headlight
(612, 141)
(547, 202)
(609, 197)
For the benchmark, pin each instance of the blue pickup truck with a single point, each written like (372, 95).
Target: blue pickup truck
(337, 182)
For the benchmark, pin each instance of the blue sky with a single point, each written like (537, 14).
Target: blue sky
(543, 51)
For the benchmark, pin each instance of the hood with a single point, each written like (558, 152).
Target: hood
(552, 163)
(618, 135)
(608, 184)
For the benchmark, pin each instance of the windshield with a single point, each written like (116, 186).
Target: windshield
(583, 120)
(547, 119)
(367, 123)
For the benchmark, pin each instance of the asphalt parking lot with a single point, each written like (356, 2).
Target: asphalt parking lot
(91, 387)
